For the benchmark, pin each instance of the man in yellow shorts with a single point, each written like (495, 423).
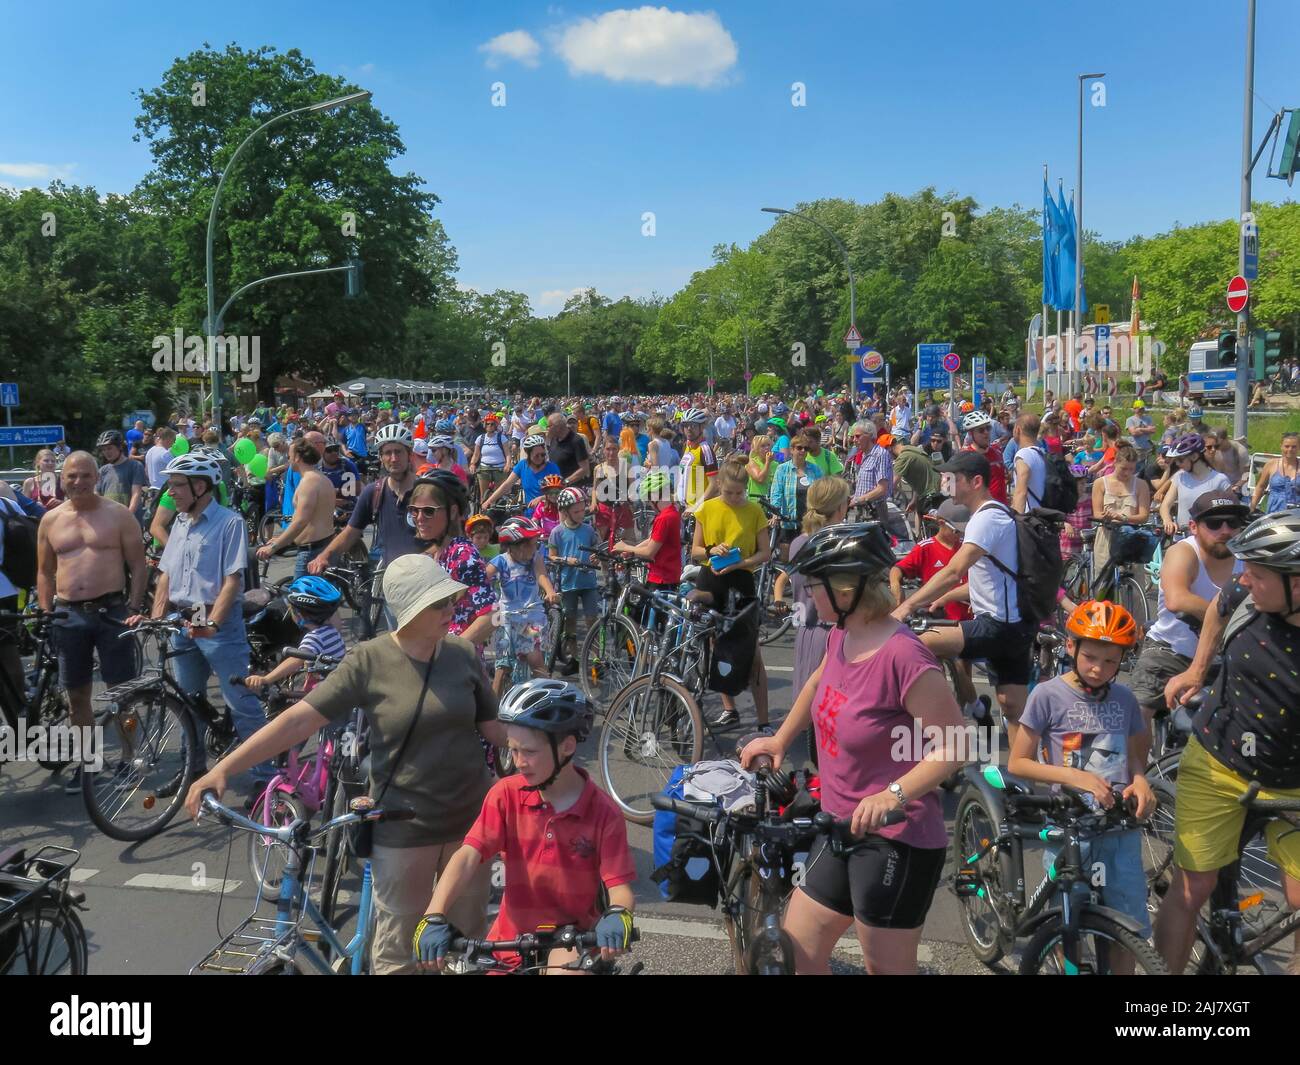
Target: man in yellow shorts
(1248, 729)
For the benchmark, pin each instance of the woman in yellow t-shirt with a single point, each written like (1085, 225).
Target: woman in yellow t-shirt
(729, 520)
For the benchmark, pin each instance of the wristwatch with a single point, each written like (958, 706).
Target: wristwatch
(896, 790)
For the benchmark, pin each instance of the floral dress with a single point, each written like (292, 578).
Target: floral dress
(460, 558)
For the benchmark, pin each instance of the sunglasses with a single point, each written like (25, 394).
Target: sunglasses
(1215, 524)
(424, 512)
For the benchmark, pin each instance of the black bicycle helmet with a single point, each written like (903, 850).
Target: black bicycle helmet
(110, 436)
(552, 706)
(860, 549)
(451, 486)
(849, 547)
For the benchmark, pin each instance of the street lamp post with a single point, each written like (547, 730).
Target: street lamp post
(211, 325)
(1078, 237)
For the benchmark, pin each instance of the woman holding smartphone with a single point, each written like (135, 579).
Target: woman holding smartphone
(731, 542)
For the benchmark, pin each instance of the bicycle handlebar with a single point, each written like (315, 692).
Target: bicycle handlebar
(296, 830)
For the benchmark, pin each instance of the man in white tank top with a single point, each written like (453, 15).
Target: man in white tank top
(1191, 574)
(1030, 465)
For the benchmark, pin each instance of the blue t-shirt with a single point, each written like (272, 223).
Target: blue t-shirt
(574, 543)
(642, 444)
(337, 473)
(355, 440)
(532, 479)
(782, 446)
(612, 424)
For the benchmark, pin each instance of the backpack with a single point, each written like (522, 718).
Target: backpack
(1060, 489)
(20, 545)
(685, 869)
(1038, 558)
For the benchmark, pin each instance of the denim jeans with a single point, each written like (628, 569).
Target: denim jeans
(226, 653)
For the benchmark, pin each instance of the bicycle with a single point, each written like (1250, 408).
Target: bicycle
(279, 945)
(995, 814)
(773, 622)
(612, 646)
(754, 855)
(533, 948)
(1117, 580)
(654, 724)
(151, 747)
(299, 788)
(40, 932)
(44, 701)
(362, 586)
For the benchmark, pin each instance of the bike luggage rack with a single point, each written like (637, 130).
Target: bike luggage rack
(119, 692)
(258, 939)
(47, 865)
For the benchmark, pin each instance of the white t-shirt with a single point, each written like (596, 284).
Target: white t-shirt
(902, 419)
(724, 427)
(993, 592)
(1191, 488)
(1032, 458)
(492, 449)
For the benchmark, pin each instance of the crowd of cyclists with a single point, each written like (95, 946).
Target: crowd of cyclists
(888, 514)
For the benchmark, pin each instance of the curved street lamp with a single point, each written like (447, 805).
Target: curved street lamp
(211, 323)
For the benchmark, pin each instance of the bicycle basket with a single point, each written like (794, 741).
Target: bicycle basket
(1130, 545)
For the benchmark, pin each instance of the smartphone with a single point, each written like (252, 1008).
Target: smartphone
(729, 559)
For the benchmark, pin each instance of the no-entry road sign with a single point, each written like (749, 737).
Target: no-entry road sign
(1238, 294)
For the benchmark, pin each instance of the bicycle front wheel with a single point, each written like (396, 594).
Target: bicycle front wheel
(608, 658)
(1158, 843)
(1101, 942)
(43, 942)
(1129, 595)
(650, 730)
(150, 748)
(266, 857)
(978, 881)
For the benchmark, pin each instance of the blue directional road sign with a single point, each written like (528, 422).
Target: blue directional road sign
(978, 370)
(30, 435)
(8, 395)
(930, 373)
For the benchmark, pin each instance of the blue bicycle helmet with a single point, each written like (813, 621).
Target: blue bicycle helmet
(315, 598)
(446, 425)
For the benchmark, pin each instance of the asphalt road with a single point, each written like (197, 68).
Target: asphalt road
(158, 906)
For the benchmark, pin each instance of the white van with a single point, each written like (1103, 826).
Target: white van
(1205, 378)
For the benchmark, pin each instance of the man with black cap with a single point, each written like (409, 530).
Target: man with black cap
(1191, 574)
(990, 555)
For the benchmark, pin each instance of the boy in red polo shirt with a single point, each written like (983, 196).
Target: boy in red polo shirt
(562, 837)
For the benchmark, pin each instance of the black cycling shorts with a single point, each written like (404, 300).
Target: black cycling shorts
(1005, 645)
(886, 884)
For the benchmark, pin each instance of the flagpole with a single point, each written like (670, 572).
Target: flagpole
(1042, 330)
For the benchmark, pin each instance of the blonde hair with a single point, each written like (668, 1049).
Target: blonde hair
(733, 471)
(655, 425)
(825, 496)
(877, 598)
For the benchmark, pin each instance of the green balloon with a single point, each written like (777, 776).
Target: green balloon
(257, 468)
(180, 447)
(245, 449)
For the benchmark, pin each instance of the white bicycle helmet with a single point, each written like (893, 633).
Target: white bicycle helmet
(695, 416)
(976, 419)
(533, 441)
(552, 706)
(195, 465)
(442, 440)
(394, 433)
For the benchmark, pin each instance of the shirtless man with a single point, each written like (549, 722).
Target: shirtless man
(83, 549)
(312, 525)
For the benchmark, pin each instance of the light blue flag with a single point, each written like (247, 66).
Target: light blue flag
(1051, 246)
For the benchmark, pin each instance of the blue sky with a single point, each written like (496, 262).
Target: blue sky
(686, 111)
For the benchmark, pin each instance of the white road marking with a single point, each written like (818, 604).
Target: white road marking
(172, 882)
(780, 669)
(670, 926)
(78, 875)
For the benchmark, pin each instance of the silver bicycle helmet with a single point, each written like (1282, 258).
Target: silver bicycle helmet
(1273, 541)
(195, 465)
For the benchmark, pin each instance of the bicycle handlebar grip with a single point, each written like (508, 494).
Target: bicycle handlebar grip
(686, 809)
(236, 680)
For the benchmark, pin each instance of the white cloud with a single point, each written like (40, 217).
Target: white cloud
(38, 172)
(650, 44)
(519, 45)
(554, 299)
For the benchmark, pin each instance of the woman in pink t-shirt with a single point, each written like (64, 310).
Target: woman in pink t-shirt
(875, 704)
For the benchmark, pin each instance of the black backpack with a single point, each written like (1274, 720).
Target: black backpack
(1038, 560)
(1060, 489)
(20, 546)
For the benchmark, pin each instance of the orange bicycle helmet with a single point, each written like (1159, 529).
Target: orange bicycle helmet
(967, 406)
(479, 519)
(1108, 622)
(552, 480)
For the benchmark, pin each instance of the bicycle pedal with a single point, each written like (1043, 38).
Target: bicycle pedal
(967, 883)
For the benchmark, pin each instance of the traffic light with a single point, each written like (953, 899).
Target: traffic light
(1268, 352)
(1227, 349)
(354, 279)
(1289, 165)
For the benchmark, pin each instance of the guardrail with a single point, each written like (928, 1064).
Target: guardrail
(16, 476)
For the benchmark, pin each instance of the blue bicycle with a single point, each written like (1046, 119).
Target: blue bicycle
(279, 945)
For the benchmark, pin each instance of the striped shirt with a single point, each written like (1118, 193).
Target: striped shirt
(877, 465)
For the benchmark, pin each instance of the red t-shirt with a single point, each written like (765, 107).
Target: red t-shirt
(925, 560)
(997, 472)
(666, 566)
(555, 862)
